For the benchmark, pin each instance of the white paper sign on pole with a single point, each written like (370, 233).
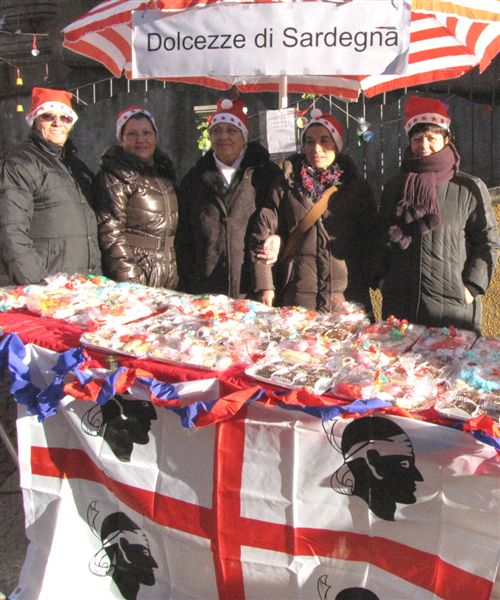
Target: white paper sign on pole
(362, 37)
(280, 131)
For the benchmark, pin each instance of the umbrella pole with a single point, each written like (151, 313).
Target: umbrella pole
(283, 91)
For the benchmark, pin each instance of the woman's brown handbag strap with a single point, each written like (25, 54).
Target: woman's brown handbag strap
(314, 213)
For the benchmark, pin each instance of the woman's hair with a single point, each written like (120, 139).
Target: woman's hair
(137, 116)
(423, 127)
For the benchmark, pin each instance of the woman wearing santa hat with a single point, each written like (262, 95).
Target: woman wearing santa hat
(441, 230)
(137, 204)
(47, 224)
(328, 222)
(218, 201)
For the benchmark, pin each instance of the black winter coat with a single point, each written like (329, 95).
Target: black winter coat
(215, 223)
(425, 283)
(137, 214)
(47, 224)
(340, 256)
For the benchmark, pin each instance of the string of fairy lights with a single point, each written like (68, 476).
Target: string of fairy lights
(34, 51)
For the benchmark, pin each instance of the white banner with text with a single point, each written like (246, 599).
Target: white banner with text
(361, 37)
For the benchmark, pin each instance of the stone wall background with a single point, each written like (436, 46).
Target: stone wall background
(475, 124)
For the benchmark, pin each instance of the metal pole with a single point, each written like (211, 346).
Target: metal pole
(347, 121)
(363, 104)
(400, 149)
(493, 122)
(382, 165)
(8, 444)
(283, 91)
(472, 111)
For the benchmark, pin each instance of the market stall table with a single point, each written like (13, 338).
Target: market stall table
(285, 496)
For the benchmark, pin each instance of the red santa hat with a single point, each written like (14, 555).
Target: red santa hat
(125, 115)
(232, 112)
(426, 110)
(328, 121)
(44, 100)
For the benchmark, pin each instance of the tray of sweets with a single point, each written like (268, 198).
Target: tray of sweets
(391, 337)
(445, 340)
(466, 403)
(292, 375)
(486, 349)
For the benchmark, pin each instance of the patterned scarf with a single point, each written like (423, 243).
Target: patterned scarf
(417, 212)
(315, 181)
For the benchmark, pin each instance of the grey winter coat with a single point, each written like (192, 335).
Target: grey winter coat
(425, 283)
(47, 224)
(137, 214)
(215, 223)
(338, 258)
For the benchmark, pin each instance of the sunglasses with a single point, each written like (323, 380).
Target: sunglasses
(51, 117)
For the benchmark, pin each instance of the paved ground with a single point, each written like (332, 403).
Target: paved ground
(12, 539)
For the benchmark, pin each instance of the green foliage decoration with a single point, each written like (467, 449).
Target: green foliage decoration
(203, 138)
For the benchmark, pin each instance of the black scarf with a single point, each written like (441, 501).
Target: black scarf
(417, 212)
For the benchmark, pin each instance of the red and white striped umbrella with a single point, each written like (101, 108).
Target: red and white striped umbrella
(447, 39)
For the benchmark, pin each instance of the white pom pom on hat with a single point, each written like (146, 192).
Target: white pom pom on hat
(125, 115)
(328, 121)
(231, 112)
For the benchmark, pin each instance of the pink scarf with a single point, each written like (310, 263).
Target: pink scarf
(417, 212)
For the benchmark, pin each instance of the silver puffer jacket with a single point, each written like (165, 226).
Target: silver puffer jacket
(137, 218)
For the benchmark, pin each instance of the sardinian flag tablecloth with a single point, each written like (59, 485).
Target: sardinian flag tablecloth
(131, 498)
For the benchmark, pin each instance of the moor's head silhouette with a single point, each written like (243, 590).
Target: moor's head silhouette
(350, 593)
(122, 423)
(379, 465)
(356, 593)
(125, 555)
